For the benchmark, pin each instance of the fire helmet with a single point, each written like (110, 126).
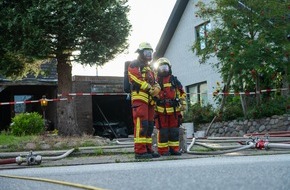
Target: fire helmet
(163, 67)
(145, 51)
(144, 45)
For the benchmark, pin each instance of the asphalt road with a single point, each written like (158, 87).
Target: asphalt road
(236, 172)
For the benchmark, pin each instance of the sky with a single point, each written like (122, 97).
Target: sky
(148, 19)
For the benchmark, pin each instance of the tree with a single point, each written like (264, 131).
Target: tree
(249, 39)
(85, 31)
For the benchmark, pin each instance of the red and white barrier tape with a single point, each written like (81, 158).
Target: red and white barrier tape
(249, 93)
(92, 94)
(210, 93)
(119, 93)
(32, 101)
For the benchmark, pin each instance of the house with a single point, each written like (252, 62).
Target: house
(182, 30)
(100, 101)
(179, 35)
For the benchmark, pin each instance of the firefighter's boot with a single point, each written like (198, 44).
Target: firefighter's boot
(155, 155)
(175, 153)
(143, 156)
(165, 154)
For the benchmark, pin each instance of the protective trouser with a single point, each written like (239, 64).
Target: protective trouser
(168, 133)
(143, 117)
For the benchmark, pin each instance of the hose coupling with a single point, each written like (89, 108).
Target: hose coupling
(33, 159)
(30, 159)
(261, 144)
(20, 160)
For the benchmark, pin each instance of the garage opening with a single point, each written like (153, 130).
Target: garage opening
(112, 116)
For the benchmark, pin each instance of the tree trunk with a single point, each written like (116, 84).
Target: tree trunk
(243, 98)
(285, 80)
(225, 89)
(244, 104)
(258, 90)
(66, 112)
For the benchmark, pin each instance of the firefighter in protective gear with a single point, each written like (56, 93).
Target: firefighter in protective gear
(170, 103)
(143, 89)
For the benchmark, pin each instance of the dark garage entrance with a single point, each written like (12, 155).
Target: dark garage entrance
(112, 112)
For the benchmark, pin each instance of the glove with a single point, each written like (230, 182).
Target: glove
(182, 107)
(181, 114)
(182, 104)
(154, 90)
(148, 87)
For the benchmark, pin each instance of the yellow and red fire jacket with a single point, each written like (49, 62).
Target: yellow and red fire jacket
(170, 95)
(141, 78)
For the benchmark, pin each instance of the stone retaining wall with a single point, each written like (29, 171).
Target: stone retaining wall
(239, 128)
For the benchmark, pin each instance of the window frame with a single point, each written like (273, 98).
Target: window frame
(206, 26)
(198, 93)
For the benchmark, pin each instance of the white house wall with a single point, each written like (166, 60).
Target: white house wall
(185, 64)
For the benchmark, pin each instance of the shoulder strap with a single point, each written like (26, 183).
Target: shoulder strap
(160, 82)
(176, 85)
(175, 82)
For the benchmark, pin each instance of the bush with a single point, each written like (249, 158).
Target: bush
(232, 112)
(274, 106)
(277, 105)
(199, 114)
(27, 124)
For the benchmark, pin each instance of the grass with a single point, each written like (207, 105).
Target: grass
(198, 148)
(6, 139)
(10, 142)
(99, 151)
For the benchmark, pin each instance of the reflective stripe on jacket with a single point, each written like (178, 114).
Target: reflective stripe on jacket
(141, 78)
(168, 101)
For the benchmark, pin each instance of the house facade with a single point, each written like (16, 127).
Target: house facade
(177, 39)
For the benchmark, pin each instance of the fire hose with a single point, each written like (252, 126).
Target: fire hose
(189, 151)
(270, 134)
(36, 159)
(124, 142)
(33, 159)
(231, 148)
(251, 143)
(244, 144)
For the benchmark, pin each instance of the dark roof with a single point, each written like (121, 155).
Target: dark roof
(47, 76)
(49, 71)
(170, 27)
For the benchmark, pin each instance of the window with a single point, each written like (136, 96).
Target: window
(201, 34)
(21, 108)
(197, 93)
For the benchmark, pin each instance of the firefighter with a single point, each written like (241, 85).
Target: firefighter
(143, 89)
(169, 106)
